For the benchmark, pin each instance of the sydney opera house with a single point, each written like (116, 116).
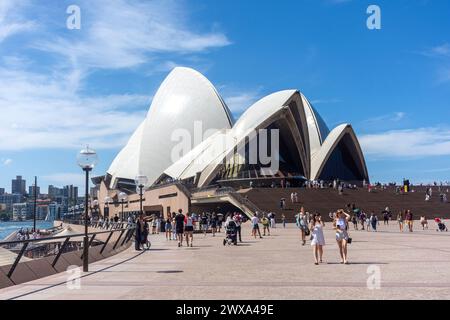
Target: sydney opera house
(190, 141)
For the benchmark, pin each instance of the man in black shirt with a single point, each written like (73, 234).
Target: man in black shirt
(179, 225)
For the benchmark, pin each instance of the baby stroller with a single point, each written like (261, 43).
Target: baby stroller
(230, 234)
(441, 225)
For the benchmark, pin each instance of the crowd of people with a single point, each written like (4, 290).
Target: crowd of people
(181, 227)
(312, 225)
(27, 234)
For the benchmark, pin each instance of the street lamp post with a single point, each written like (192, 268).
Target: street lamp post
(87, 159)
(122, 198)
(141, 181)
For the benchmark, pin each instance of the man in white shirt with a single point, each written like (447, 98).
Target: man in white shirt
(255, 226)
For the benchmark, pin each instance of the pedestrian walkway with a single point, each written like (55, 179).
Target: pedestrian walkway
(412, 265)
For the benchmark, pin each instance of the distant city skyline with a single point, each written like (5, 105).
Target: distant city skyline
(61, 89)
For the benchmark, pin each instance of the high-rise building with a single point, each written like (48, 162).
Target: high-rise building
(31, 191)
(71, 192)
(18, 185)
(54, 192)
(2, 191)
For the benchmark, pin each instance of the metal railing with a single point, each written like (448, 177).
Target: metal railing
(126, 234)
(245, 202)
(104, 225)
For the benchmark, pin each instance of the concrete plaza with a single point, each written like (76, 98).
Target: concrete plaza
(412, 266)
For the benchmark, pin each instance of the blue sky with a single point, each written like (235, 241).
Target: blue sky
(61, 89)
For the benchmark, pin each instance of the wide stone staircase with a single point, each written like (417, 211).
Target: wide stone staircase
(327, 200)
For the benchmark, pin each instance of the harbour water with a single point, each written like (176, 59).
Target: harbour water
(6, 228)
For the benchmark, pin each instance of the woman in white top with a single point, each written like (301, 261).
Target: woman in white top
(340, 225)
(318, 239)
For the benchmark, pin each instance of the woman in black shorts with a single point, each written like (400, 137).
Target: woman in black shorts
(189, 229)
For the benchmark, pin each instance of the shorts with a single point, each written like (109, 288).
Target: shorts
(189, 228)
(343, 235)
(180, 229)
(255, 227)
(168, 227)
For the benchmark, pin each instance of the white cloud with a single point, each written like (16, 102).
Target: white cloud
(41, 111)
(6, 162)
(122, 34)
(410, 143)
(391, 117)
(442, 50)
(11, 21)
(47, 109)
(238, 102)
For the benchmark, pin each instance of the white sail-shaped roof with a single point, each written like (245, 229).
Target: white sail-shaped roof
(259, 116)
(126, 163)
(318, 130)
(320, 158)
(188, 105)
(186, 99)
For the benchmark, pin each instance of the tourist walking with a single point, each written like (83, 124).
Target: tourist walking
(174, 226)
(154, 224)
(302, 224)
(373, 221)
(386, 215)
(179, 227)
(144, 238)
(355, 222)
(238, 221)
(424, 222)
(213, 223)
(139, 232)
(409, 220)
(168, 227)
(400, 220)
(362, 219)
(283, 220)
(255, 226)
(265, 223)
(189, 229)
(342, 238)
(219, 222)
(318, 239)
(272, 220)
(204, 223)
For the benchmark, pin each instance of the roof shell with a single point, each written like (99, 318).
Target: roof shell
(186, 105)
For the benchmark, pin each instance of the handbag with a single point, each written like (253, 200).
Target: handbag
(307, 232)
(349, 240)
